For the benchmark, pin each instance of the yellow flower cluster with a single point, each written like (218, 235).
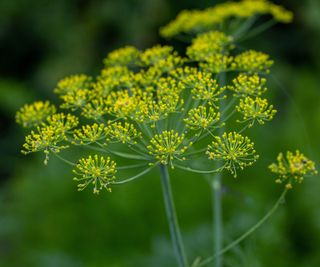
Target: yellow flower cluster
(234, 149)
(201, 118)
(46, 139)
(217, 63)
(292, 168)
(248, 85)
(35, 113)
(206, 88)
(73, 83)
(89, 134)
(209, 44)
(126, 56)
(98, 171)
(254, 110)
(195, 21)
(167, 146)
(252, 61)
(95, 109)
(122, 132)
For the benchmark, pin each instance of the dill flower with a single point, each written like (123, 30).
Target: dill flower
(73, 83)
(34, 114)
(95, 109)
(46, 139)
(248, 85)
(254, 110)
(75, 99)
(95, 170)
(217, 63)
(167, 146)
(122, 132)
(235, 150)
(195, 21)
(208, 44)
(252, 61)
(125, 56)
(292, 168)
(201, 118)
(155, 54)
(121, 104)
(89, 134)
(63, 122)
(207, 89)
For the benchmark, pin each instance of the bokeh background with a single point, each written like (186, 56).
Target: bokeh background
(44, 221)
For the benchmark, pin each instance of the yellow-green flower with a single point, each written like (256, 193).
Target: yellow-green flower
(89, 134)
(98, 171)
(201, 118)
(46, 139)
(235, 150)
(95, 109)
(208, 44)
(217, 63)
(126, 56)
(122, 132)
(252, 61)
(73, 83)
(168, 146)
(292, 168)
(248, 85)
(63, 122)
(195, 21)
(254, 110)
(34, 114)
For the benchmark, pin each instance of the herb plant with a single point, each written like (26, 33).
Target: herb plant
(158, 109)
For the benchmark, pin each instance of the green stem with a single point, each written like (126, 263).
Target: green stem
(172, 218)
(217, 217)
(247, 233)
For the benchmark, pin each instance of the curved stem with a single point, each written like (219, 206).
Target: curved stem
(217, 217)
(195, 170)
(134, 177)
(64, 160)
(172, 218)
(247, 233)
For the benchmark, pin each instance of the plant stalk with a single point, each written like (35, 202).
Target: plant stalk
(172, 218)
(217, 218)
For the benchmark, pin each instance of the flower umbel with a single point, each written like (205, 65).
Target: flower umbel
(98, 171)
(202, 118)
(254, 110)
(248, 85)
(167, 146)
(234, 149)
(35, 113)
(292, 168)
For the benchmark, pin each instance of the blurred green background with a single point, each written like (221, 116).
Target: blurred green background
(44, 221)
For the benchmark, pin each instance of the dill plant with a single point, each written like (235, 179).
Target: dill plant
(158, 109)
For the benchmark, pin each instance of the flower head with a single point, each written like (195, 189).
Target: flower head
(73, 83)
(208, 44)
(47, 139)
(167, 146)
(63, 122)
(35, 113)
(195, 21)
(292, 168)
(122, 132)
(128, 55)
(201, 118)
(89, 134)
(254, 110)
(252, 61)
(98, 171)
(235, 150)
(248, 85)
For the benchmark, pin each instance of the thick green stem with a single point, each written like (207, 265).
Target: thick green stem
(217, 218)
(172, 218)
